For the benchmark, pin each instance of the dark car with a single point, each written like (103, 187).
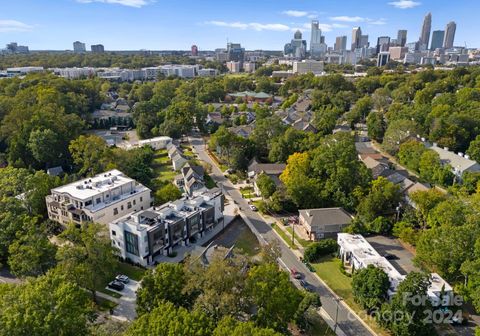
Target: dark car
(117, 285)
(389, 256)
(306, 285)
(295, 274)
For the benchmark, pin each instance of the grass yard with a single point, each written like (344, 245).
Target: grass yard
(162, 168)
(209, 182)
(133, 272)
(105, 305)
(303, 242)
(284, 236)
(328, 269)
(319, 327)
(247, 192)
(248, 242)
(107, 291)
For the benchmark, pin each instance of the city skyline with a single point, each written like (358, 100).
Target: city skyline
(139, 24)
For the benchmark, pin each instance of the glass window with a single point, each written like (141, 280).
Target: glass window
(141, 199)
(115, 211)
(131, 241)
(129, 205)
(114, 233)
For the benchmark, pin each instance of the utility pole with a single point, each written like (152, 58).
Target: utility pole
(293, 233)
(337, 300)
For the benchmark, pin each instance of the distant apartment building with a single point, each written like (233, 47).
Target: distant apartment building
(449, 35)
(207, 72)
(101, 198)
(398, 53)
(234, 67)
(306, 66)
(383, 44)
(145, 234)
(79, 47)
(97, 48)
(18, 71)
(74, 73)
(235, 52)
(14, 48)
(249, 67)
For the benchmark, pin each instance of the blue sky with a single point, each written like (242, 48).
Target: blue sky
(257, 24)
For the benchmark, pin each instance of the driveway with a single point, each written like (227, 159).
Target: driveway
(7, 277)
(126, 308)
(348, 322)
(402, 257)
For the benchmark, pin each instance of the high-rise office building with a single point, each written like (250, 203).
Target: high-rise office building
(437, 39)
(235, 52)
(194, 50)
(449, 35)
(426, 28)
(97, 48)
(297, 47)
(383, 58)
(364, 41)
(79, 46)
(356, 37)
(383, 43)
(402, 37)
(340, 43)
(315, 40)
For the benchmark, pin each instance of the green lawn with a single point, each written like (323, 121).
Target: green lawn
(162, 168)
(209, 182)
(133, 272)
(303, 242)
(248, 243)
(284, 236)
(319, 327)
(247, 192)
(108, 292)
(104, 304)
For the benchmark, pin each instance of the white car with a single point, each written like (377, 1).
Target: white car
(253, 207)
(122, 278)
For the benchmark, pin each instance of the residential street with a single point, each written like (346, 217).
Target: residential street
(347, 322)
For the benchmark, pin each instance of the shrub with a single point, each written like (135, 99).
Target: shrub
(319, 249)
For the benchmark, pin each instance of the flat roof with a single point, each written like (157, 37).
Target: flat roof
(90, 187)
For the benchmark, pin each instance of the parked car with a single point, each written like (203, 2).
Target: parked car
(306, 285)
(117, 285)
(253, 207)
(390, 256)
(122, 278)
(296, 274)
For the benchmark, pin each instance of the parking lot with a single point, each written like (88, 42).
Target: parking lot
(402, 258)
(126, 304)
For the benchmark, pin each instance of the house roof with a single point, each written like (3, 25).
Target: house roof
(458, 162)
(267, 168)
(55, 171)
(321, 217)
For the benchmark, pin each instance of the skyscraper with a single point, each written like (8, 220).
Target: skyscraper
(315, 40)
(364, 41)
(297, 47)
(340, 43)
(402, 38)
(449, 35)
(356, 37)
(426, 28)
(437, 39)
(78, 47)
(383, 43)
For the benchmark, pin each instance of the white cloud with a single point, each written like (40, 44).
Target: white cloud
(405, 4)
(252, 25)
(344, 18)
(295, 13)
(358, 19)
(7, 26)
(129, 3)
(325, 27)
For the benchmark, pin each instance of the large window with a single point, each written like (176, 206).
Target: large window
(131, 243)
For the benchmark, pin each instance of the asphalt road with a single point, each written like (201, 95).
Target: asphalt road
(347, 322)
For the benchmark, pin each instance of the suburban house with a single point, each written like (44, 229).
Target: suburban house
(460, 162)
(273, 170)
(357, 253)
(102, 198)
(156, 143)
(176, 155)
(323, 222)
(243, 130)
(191, 179)
(156, 231)
(251, 96)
